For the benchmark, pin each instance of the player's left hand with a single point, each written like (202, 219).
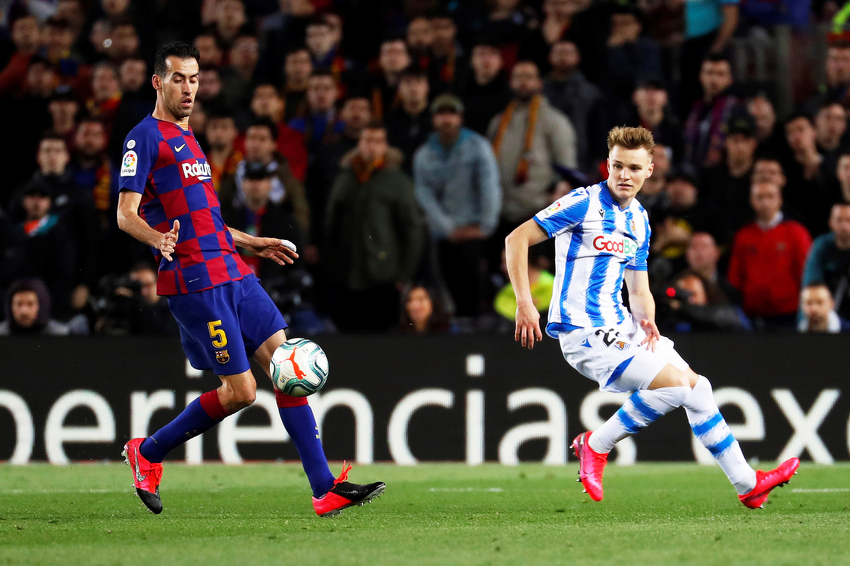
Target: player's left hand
(281, 252)
(527, 325)
(652, 334)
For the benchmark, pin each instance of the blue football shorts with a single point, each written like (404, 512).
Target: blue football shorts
(222, 327)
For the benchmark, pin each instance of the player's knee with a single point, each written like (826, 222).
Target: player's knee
(243, 397)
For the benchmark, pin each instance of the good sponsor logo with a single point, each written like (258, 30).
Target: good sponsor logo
(615, 244)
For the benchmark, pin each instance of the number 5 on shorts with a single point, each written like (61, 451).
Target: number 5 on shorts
(217, 334)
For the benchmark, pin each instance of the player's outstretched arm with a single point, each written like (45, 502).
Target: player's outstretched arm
(516, 256)
(279, 251)
(130, 222)
(642, 305)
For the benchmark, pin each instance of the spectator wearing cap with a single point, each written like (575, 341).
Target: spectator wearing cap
(767, 261)
(321, 125)
(818, 311)
(40, 246)
(257, 214)
(285, 189)
(807, 192)
(374, 235)
(651, 110)
(64, 108)
(631, 59)
(828, 261)
(27, 309)
(409, 125)
(457, 185)
(686, 214)
(528, 138)
(486, 91)
(267, 102)
(393, 59)
(727, 185)
(568, 90)
(704, 138)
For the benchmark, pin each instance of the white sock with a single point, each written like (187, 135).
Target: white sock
(641, 409)
(710, 427)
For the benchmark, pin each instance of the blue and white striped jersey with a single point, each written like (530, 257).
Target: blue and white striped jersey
(595, 242)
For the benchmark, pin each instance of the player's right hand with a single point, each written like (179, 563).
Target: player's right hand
(169, 241)
(527, 325)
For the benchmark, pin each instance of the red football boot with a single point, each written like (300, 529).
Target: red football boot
(766, 481)
(146, 475)
(591, 465)
(344, 494)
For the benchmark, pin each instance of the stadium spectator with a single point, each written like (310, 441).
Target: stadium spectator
(27, 309)
(297, 68)
(40, 246)
(393, 59)
(423, 312)
(90, 166)
(136, 102)
(653, 195)
(212, 52)
(709, 26)
(769, 134)
(818, 310)
(64, 107)
(836, 75)
(131, 306)
(106, 94)
(528, 138)
(631, 59)
(409, 125)
(767, 261)
(325, 166)
(457, 184)
(238, 76)
(26, 37)
(448, 62)
(323, 42)
(267, 102)
(486, 91)
(285, 189)
(828, 261)
(222, 156)
(321, 125)
(568, 90)
(704, 137)
(229, 20)
(374, 235)
(842, 175)
(806, 192)
(830, 129)
(703, 257)
(727, 184)
(685, 307)
(420, 37)
(125, 41)
(652, 112)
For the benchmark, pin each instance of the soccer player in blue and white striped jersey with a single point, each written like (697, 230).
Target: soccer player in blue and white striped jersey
(601, 240)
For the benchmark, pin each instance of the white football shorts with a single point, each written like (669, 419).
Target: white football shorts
(614, 358)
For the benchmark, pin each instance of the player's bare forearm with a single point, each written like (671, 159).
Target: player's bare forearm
(516, 256)
(241, 239)
(130, 222)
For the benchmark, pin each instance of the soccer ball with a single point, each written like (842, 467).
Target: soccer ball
(299, 367)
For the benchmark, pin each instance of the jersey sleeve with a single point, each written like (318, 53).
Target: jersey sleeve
(140, 154)
(639, 262)
(565, 213)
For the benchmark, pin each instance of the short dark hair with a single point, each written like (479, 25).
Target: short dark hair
(800, 114)
(264, 122)
(178, 49)
(297, 49)
(322, 73)
(375, 125)
(414, 72)
(717, 58)
(318, 21)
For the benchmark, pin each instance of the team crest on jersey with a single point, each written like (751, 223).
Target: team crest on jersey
(129, 164)
(222, 357)
(620, 345)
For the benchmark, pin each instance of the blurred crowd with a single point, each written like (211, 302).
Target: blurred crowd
(397, 142)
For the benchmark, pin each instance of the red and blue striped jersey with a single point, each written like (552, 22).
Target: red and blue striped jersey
(164, 163)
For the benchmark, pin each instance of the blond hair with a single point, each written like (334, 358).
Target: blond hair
(631, 138)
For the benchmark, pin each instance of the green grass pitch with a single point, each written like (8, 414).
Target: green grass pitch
(433, 514)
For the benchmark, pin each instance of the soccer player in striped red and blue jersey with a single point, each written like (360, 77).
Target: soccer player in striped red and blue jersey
(167, 201)
(601, 240)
